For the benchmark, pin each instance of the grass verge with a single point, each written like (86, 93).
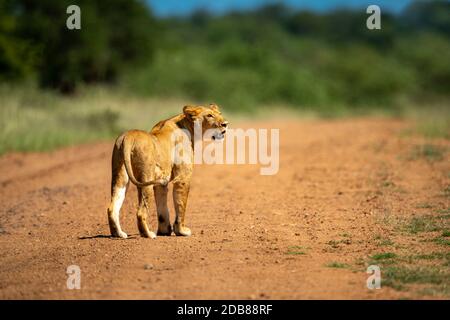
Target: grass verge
(35, 120)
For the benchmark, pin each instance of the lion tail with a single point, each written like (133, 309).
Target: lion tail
(127, 146)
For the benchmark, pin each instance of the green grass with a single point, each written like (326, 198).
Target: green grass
(383, 256)
(429, 223)
(432, 256)
(431, 123)
(425, 223)
(337, 265)
(399, 272)
(34, 120)
(385, 242)
(443, 211)
(424, 273)
(333, 243)
(424, 206)
(427, 151)
(296, 250)
(413, 274)
(442, 241)
(429, 269)
(436, 291)
(382, 241)
(438, 129)
(447, 191)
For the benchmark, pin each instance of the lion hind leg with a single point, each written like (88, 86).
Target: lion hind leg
(142, 213)
(164, 227)
(118, 191)
(117, 198)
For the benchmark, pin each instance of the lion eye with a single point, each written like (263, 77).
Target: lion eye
(210, 116)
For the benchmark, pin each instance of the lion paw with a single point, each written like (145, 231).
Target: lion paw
(181, 230)
(148, 234)
(122, 235)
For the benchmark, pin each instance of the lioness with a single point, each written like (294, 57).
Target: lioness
(145, 159)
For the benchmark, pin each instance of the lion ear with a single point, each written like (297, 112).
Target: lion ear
(214, 106)
(191, 111)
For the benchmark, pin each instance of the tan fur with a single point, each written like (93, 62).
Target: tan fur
(145, 159)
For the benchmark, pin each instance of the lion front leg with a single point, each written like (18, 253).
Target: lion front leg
(180, 196)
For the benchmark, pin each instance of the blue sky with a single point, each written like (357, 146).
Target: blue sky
(183, 7)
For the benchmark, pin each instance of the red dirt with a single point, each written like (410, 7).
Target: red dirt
(326, 202)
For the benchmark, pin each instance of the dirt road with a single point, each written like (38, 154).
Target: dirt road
(307, 232)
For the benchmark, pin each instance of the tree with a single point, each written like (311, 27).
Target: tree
(16, 55)
(114, 34)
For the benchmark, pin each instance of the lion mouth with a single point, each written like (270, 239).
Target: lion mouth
(219, 136)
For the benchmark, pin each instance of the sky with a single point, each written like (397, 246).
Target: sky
(166, 8)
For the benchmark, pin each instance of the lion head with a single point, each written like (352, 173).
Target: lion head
(210, 118)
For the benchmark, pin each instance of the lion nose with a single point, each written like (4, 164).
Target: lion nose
(224, 124)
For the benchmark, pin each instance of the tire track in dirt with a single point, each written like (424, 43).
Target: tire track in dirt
(253, 236)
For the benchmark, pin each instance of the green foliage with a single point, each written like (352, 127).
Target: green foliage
(17, 57)
(429, 15)
(427, 54)
(303, 59)
(114, 34)
(326, 62)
